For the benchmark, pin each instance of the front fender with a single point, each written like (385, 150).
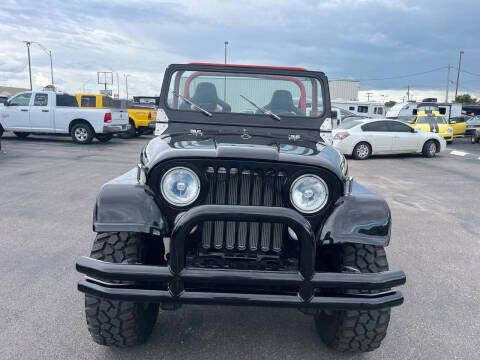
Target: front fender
(361, 217)
(125, 205)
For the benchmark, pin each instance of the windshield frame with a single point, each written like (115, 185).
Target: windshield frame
(243, 119)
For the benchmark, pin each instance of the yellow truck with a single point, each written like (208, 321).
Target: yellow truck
(140, 116)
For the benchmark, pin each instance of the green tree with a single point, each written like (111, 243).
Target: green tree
(465, 99)
(390, 103)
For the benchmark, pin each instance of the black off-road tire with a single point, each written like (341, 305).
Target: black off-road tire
(21, 135)
(104, 137)
(131, 133)
(362, 151)
(82, 133)
(430, 149)
(114, 322)
(356, 331)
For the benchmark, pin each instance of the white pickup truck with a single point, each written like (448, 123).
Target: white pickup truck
(48, 112)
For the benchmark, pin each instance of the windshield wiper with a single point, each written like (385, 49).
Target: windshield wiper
(265, 111)
(196, 106)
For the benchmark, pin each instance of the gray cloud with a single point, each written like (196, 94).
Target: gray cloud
(361, 39)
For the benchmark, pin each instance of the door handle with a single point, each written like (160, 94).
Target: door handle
(44, 110)
(23, 110)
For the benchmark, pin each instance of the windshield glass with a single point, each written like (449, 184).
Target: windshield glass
(431, 120)
(255, 94)
(406, 118)
(350, 124)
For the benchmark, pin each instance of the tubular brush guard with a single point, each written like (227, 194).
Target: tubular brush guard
(305, 280)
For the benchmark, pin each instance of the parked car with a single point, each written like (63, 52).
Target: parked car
(363, 138)
(48, 112)
(3, 99)
(432, 123)
(473, 128)
(237, 201)
(139, 116)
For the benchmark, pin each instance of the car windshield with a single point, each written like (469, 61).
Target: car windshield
(431, 120)
(474, 119)
(256, 94)
(406, 118)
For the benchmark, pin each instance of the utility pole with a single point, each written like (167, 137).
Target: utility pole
(49, 53)
(29, 66)
(126, 83)
(408, 92)
(368, 96)
(448, 82)
(458, 73)
(225, 78)
(118, 87)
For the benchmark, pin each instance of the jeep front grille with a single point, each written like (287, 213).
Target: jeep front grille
(236, 186)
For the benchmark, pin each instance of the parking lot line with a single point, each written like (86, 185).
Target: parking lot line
(458, 153)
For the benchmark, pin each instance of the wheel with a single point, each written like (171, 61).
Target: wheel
(114, 322)
(21, 135)
(131, 133)
(104, 137)
(474, 138)
(82, 133)
(429, 149)
(351, 330)
(362, 151)
(450, 142)
(1, 131)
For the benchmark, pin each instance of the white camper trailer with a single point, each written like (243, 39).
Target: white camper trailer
(368, 109)
(409, 109)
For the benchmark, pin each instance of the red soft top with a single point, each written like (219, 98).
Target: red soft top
(252, 66)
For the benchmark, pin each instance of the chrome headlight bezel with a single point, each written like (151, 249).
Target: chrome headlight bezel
(323, 203)
(168, 198)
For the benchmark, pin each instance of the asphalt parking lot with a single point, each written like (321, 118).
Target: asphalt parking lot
(47, 191)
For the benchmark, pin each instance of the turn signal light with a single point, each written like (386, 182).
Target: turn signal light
(107, 118)
(341, 135)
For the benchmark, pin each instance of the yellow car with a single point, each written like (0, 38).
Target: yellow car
(431, 122)
(139, 116)
(458, 125)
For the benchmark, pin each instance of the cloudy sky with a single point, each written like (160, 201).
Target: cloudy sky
(386, 44)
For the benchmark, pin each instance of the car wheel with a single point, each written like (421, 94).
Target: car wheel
(104, 137)
(131, 133)
(82, 133)
(474, 138)
(116, 322)
(429, 149)
(356, 330)
(21, 135)
(362, 151)
(450, 142)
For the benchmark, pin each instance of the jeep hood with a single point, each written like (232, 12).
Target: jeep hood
(242, 144)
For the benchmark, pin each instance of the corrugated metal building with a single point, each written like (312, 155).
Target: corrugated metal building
(344, 89)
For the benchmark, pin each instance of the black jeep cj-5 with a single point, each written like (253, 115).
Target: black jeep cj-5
(238, 201)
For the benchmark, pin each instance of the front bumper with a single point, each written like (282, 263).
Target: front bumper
(113, 129)
(166, 284)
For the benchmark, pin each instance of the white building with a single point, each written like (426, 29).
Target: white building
(344, 89)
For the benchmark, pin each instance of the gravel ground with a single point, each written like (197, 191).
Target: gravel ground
(47, 191)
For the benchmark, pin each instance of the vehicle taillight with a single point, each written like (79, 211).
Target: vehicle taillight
(341, 135)
(107, 118)
(338, 121)
(149, 115)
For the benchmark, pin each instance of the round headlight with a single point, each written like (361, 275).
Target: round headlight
(180, 186)
(309, 193)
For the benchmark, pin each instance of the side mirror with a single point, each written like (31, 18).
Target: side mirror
(453, 122)
(415, 130)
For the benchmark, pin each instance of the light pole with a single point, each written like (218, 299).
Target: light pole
(49, 53)
(225, 78)
(226, 44)
(458, 73)
(126, 83)
(29, 66)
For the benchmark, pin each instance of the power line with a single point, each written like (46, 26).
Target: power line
(404, 76)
